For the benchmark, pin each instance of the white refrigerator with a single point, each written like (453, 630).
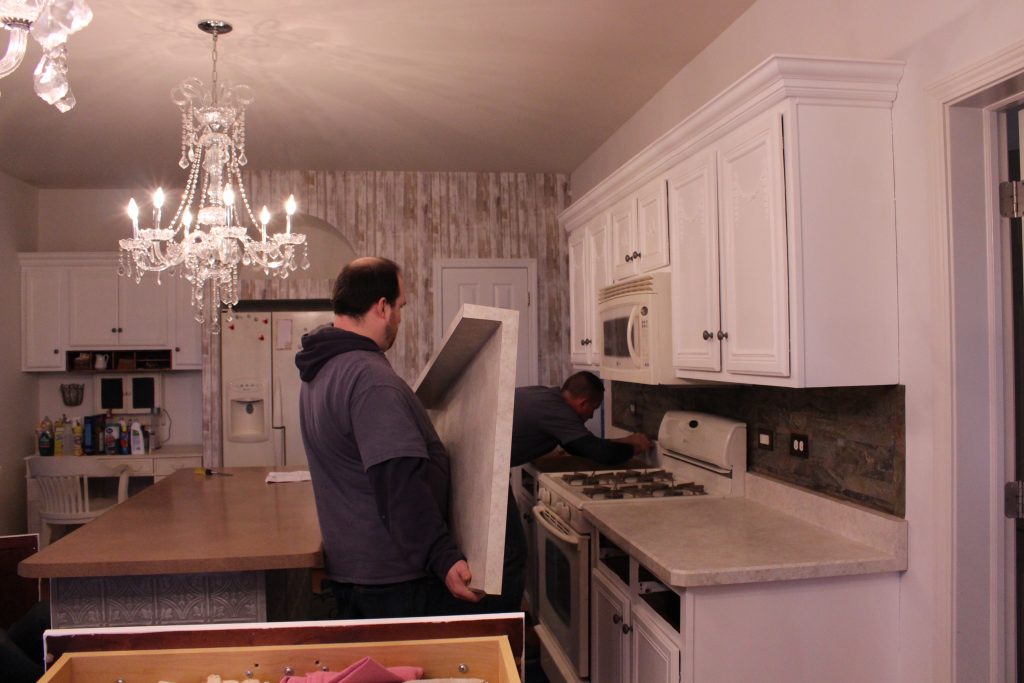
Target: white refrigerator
(260, 387)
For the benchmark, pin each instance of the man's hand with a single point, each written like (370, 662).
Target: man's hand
(640, 443)
(457, 580)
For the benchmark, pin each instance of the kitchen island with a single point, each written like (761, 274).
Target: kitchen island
(190, 549)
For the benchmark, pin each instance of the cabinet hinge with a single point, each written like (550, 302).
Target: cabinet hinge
(1013, 500)
(1011, 198)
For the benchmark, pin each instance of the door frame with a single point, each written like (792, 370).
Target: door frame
(531, 282)
(972, 429)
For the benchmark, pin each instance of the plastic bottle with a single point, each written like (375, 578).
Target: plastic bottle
(137, 442)
(76, 435)
(45, 437)
(58, 436)
(124, 445)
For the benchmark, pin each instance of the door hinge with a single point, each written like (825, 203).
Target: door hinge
(1013, 501)
(1011, 199)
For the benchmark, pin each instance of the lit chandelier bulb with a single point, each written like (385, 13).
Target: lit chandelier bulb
(133, 213)
(289, 207)
(186, 220)
(229, 202)
(158, 203)
(264, 219)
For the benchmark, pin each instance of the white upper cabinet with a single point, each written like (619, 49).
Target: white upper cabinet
(588, 273)
(188, 341)
(639, 232)
(730, 278)
(108, 310)
(780, 223)
(43, 316)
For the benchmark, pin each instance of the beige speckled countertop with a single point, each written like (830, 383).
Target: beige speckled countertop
(765, 536)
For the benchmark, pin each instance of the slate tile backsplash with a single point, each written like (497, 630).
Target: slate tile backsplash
(856, 435)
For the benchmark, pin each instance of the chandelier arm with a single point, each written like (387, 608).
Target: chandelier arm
(16, 46)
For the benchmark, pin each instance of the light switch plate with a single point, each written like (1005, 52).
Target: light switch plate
(765, 439)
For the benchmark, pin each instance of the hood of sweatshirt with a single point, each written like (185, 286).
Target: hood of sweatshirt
(323, 344)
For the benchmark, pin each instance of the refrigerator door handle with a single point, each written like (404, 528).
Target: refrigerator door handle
(277, 416)
(279, 447)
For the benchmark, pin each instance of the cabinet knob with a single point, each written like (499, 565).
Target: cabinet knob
(177, 349)
(113, 330)
(56, 350)
(626, 628)
(708, 335)
(636, 254)
(722, 335)
(120, 329)
(628, 258)
(616, 618)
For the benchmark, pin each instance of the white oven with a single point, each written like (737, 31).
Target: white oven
(563, 610)
(636, 333)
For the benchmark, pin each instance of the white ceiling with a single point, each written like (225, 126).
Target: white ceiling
(405, 85)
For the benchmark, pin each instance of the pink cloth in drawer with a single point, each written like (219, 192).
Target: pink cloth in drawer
(366, 670)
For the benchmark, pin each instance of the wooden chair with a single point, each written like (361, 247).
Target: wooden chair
(63, 484)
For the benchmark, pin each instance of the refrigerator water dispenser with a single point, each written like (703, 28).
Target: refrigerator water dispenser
(248, 416)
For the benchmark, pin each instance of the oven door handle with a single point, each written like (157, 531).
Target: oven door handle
(554, 526)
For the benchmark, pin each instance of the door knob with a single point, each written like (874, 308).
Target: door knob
(707, 335)
(722, 335)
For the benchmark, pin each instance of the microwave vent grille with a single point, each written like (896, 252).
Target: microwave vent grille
(640, 285)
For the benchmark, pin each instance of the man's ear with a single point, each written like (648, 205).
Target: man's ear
(380, 308)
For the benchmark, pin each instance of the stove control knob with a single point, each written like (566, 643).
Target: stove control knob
(562, 509)
(545, 496)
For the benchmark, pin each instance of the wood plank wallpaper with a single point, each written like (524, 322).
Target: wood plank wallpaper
(414, 219)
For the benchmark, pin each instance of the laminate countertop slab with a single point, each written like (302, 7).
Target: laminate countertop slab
(193, 523)
(706, 541)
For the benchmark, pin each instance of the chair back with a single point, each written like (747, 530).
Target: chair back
(64, 486)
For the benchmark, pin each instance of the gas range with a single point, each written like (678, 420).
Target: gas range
(697, 455)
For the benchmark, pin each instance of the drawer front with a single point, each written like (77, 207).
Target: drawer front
(162, 466)
(136, 466)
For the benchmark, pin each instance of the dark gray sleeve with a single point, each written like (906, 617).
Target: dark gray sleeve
(409, 513)
(601, 451)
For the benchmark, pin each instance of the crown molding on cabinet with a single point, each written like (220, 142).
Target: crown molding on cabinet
(780, 77)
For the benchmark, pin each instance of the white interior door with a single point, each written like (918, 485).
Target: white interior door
(502, 283)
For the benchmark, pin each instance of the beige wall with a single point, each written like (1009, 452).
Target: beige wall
(18, 206)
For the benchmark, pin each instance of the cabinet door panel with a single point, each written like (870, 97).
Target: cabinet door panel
(755, 279)
(623, 221)
(579, 320)
(43, 314)
(609, 647)
(188, 342)
(693, 225)
(143, 309)
(600, 268)
(655, 655)
(652, 232)
(92, 307)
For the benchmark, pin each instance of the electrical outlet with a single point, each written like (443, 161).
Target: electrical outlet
(799, 446)
(765, 439)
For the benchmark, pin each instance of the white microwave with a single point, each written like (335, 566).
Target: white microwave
(636, 330)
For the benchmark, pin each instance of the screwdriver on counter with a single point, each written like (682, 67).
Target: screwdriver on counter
(208, 472)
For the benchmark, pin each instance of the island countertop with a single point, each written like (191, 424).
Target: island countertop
(698, 541)
(192, 523)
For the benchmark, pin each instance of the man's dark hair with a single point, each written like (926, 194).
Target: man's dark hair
(362, 283)
(585, 384)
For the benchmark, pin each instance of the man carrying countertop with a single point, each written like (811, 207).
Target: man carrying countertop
(543, 419)
(379, 471)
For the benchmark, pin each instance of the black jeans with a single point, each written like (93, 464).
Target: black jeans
(21, 647)
(429, 597)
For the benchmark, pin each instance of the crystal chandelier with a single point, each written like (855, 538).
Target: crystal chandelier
(50, 22)
(207, 245)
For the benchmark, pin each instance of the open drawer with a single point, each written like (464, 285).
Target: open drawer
(486, 657)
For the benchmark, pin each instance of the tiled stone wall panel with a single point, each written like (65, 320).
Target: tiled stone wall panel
(857, 435)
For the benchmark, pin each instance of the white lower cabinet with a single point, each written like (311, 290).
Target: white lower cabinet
(635, 626)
